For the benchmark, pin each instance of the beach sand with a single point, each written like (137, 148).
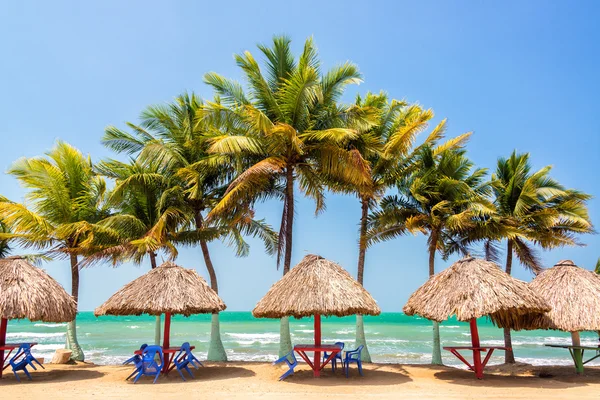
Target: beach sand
(259, 380)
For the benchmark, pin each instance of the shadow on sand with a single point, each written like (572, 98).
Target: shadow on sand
(555, 377)
(204, 374)
(78, 372)
(374, 374)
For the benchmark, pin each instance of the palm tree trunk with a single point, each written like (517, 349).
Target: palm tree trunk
(285, 339)
(509, 355)
(216, 351)
(436, 356)
(72, 343)
(362, 250)
(157, 318)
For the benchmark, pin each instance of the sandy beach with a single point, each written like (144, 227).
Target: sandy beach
(259, 380)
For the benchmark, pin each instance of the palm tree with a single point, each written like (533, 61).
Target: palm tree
(533, 209)
(442, 198)
(65, 199)
(136, 216)
(4, 246)
(288, 129)
(388, 146)
(175, 137)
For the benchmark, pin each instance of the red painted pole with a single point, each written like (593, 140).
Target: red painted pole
(476, 353)
(317, 360)
(166, 343)
(3, 323)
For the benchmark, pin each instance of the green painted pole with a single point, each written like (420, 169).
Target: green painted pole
(577, 353)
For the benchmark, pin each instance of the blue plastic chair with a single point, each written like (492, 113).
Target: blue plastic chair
(184, 359)
(136, 360)
(291, 364)
(338, 356)
(22, 359)
(193, 360)
(149, 365)
(353, 357)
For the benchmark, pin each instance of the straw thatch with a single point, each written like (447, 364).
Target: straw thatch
(573, 294)
(316, 286)
(166, 289)
(473, 288)
(29, 292)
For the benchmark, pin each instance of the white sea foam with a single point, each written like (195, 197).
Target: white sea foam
(51, 325)
(344, 331)
(35, 335)
(305, 330)
(134, 327)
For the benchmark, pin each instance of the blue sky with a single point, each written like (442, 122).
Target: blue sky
(520, 75)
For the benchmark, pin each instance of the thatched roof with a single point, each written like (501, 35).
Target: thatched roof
(166, 289)
(573, 294)
(29, 292)
(316, 286)
(473, 288)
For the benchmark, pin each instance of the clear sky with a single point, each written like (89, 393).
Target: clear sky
(520, 75)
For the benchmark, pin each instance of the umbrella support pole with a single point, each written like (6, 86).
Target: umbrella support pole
(3, 323)
(317, 360)
(577, 353)
(166, 335)
(477, 365)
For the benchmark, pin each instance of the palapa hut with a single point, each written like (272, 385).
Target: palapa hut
(472, 288)
(29, 292)
(316, 287)
(168, 289)
(573, 294)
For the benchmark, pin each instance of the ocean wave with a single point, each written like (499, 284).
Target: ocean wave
(51, 325)
(133, 326)
(305, 330)
(258, 336)
(35, 335)
(344, 331)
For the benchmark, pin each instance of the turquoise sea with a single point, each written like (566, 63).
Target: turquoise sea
(392, 337)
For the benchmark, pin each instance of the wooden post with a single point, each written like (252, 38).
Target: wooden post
(166, 335)
(577, 353)
(3, 323)
(317, 360)
(476, 353)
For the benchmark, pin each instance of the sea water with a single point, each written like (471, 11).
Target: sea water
(391, 337)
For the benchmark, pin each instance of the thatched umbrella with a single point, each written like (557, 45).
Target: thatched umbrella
(573, 294)
(472, 288)
(29, 292)
(168, 289)
(316, 286)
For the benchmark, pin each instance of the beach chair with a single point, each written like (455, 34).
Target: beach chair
(136, 360)
(338, 356)
(291, 364)
(22, 359)
(149, 365)
(353, 357)
(193, 360)
(183, 359)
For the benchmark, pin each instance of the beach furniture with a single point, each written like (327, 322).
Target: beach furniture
(168, 289)
(578, 353)
(573, 294)
(190, 356)
(316, 287)
(29, 293)
(353, 357)
(169, 357)
(338, 356)
(150, 366)
(290, 360)
(136, 360)
(22, 359)
(184, 359)
(472, 288)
